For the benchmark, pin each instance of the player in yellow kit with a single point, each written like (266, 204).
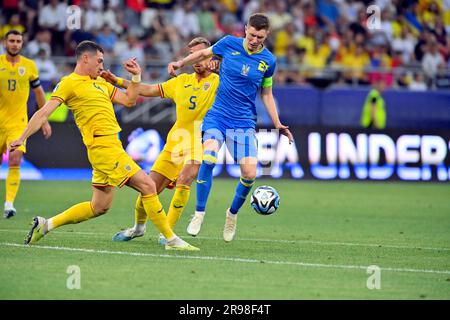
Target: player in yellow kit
(90, 98)
(17, 75)
(181, 157)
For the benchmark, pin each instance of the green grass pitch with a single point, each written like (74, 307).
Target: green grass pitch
(318, 245)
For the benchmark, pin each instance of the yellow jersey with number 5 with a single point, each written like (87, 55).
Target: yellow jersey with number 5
(15, 82)
(193, 99)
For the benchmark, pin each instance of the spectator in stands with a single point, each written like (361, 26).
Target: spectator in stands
(407, 29)
(13, 24)
(53, 17)
(442, 78)
(206, 19)
(373, 114)
(280, 17)
(431, 61)
(92, 15)
(107, 39)
(186, 20)
(132, 13)
(76, 36)
(355, 64)
(113, 17)
(405, 44)
(420, 48)
(42, 41)
(151, 50)
(284, 38)
(328, 11)
(316, 60)
(418, 83)
(30, 9)
(46, 68)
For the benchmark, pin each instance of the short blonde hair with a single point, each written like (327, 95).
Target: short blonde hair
(199, 40)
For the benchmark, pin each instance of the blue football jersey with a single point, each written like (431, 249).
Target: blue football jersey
(241, 76)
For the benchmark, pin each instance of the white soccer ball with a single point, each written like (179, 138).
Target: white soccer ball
(265, 200)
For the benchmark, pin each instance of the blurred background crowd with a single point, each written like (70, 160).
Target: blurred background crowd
(405, 44)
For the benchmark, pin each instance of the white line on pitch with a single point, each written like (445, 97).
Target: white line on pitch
(330, 243)
(301, 264)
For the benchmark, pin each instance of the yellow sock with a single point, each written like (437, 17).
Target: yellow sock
(155, 212)
(12, 183)
(76, 214)
(179, 201)
(140, 217)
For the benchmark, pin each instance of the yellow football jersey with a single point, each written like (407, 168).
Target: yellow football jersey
(193, 99)
(91, 103)
(14, 90)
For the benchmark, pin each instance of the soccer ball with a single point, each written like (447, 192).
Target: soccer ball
(265, 200)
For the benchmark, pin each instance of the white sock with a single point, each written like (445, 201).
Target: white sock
(9, 205)
(200, 212)
(139, 227)
(49, 226)
(231, 215)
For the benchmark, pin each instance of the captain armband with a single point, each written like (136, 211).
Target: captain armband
(267, 82)
(35, 83)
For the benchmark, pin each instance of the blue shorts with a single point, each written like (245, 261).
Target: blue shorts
(241, 142)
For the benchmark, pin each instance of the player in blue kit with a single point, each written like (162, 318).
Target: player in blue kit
(246, 67)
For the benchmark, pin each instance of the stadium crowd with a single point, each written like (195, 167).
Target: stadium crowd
(404, 43)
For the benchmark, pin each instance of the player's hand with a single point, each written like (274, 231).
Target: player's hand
(132, 66)
(213, 65)
(109, 76)
(46, 130)
(14, 145)
(284, 130)
(172, 67)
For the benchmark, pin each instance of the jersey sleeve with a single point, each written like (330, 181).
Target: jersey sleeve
(220, 46)
(62, 91)
(34, 76)
(267, 80)
(167, 89)
(111, 90)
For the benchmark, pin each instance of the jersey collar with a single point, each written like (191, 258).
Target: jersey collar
(79, 76)
(5, 60)
(250, 53)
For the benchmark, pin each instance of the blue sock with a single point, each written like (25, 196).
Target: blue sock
(242, 190)
(204, 179)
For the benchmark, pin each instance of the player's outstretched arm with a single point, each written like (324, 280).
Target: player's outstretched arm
(146, 90)
(269, 103)
(36, 122)
(191, 59)
(129, 97)
(40, 99)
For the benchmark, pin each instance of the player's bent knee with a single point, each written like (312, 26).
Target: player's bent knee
(186, 179)
(14, 159)
(100, 209)
(148, 186)
(249, 174)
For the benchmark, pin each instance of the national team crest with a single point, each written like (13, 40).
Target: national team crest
(21, 71)
(245, 69)
(206, 86)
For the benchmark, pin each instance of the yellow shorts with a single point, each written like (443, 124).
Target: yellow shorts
(111, 165)
(169, 164)
(9, 135)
